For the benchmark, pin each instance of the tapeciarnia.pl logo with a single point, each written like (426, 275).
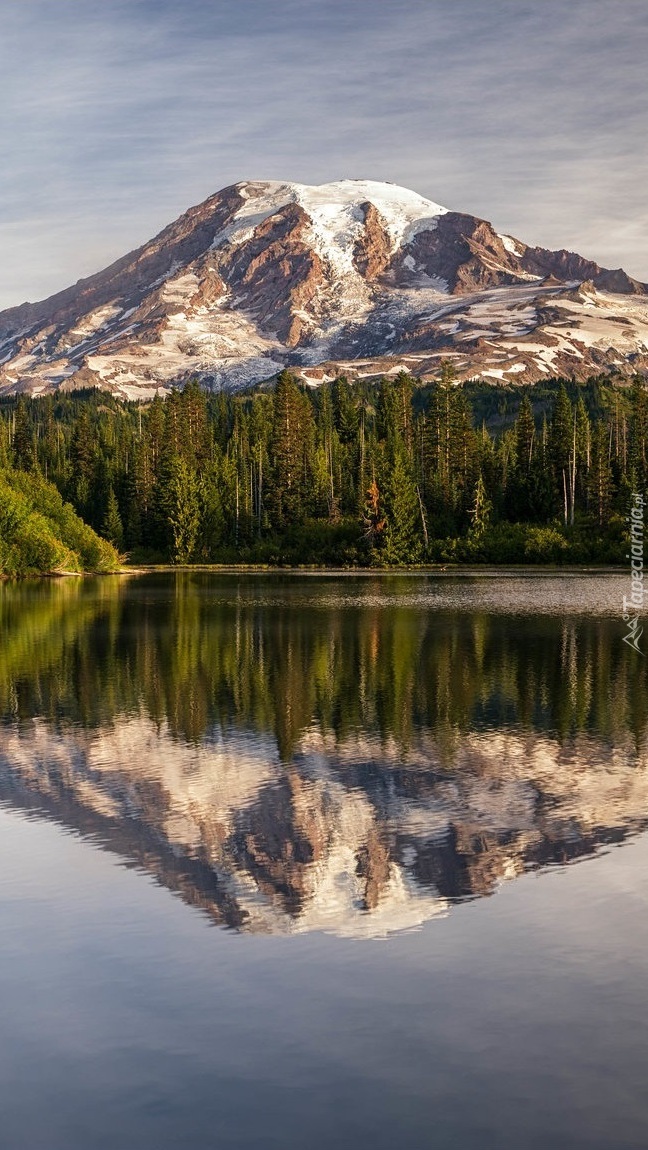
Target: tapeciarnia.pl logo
(633, 605)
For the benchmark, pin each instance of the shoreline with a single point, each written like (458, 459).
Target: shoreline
(485, 571)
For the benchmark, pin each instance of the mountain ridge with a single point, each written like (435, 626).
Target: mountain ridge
(356, 276)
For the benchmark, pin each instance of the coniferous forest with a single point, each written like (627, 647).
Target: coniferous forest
(384, 473)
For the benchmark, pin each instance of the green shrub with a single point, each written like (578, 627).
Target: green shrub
(545, 545)
(40, 550)
(41, 533)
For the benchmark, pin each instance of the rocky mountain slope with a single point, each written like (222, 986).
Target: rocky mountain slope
(353, 276)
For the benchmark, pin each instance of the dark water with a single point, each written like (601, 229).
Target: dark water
(379, 790)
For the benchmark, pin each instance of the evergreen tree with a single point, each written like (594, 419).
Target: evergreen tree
(519, 491)
(639, 434)
(183, 509)
(450, 450)
(212, 513)
(403, 531)
(524, 439)
(561, 451)
(23, 438)
(600, 476)
(195, 432)
(582, 455)
(83, 457)
(480, 511)
(345, 410)
(261, 415)
(112, 528)
(292, 439)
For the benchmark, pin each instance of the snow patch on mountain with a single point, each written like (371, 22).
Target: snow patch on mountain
(334, 208)
(511, 245)
(94, 321)
(180, 288)
(261, 200)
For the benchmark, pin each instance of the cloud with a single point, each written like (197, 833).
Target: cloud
(116, 116)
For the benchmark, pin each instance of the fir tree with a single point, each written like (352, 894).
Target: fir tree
(480, 511)
(23, 438)
(600, 476)
(524, 439)
(183, 509)
(292, 439)
(561, 451)
(402, 536)
(83, 456)
(639, 434)
(112, 527)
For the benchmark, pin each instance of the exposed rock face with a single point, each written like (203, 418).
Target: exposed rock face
(373, 250)
(465, 253)
(276, 273)
(356, 276)
(563, 265)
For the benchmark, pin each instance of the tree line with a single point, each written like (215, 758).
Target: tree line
(384, 473)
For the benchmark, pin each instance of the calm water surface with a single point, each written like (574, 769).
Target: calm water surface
(414, 809)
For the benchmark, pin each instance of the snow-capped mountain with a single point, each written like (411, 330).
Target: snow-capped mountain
(353, 276)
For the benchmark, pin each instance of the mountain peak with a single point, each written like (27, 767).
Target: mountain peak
(335, 209)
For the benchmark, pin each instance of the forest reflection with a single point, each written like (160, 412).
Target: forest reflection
(277, 658)
(293, 731)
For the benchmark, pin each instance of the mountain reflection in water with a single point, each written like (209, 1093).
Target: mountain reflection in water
(353, 755)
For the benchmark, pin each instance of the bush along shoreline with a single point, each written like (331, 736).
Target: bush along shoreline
(41, 534)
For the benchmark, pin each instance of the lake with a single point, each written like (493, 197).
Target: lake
(316, 860)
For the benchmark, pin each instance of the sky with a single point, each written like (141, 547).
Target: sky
(117, 115)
